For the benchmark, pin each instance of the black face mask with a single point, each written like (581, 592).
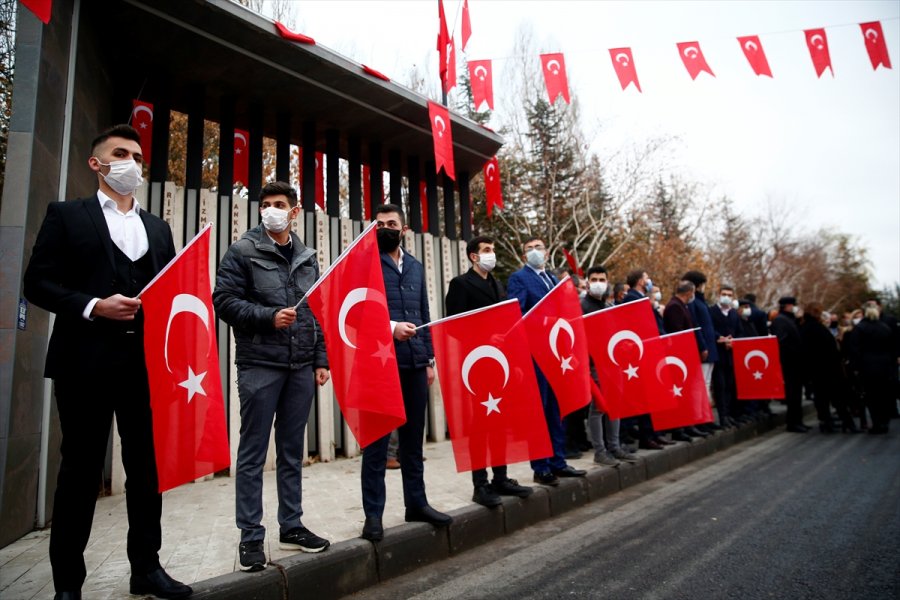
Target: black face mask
(388, 239)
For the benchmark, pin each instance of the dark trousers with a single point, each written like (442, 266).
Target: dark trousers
(86, 406)
(879, 396)
(480, 477)
(414, 384)
(554, 425)
(576, 434)
(724, 387)
(793, 394)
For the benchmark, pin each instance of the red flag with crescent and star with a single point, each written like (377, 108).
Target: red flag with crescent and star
(616, 344)
(623, 64)
(573, 264)
(466, 25)
(142, 120)
(875, 44)
(351, 306)
(492, 188)
(554, 68)
(559, 345)
(693, 59)
(757, 368)
(756, 56)
(489, 388)
(481, 78)
(241, 156)
(817, 42)
(443, 42)
(40, 8)
(189, 432)
(423, 198)
(450, 80)
(443, 141)
(675, 363)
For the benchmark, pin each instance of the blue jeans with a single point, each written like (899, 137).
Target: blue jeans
(554, 425)
(414, 385)
(285, 396)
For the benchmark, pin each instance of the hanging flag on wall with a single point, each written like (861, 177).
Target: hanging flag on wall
(142, 120)
(241, 156)
(554, 67)
(817, 42)
(443, 141)
(623, 63)
(492, 187)
(693, 59)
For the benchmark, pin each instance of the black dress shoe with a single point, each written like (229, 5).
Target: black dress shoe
(681, 437)
(426, 514)
(372, 529)
(159, 584)
(663, 441)
(569, 471)
(650, 445)
(695, 432)
(486, 496)
(546, 479)
(67, 595)
(796, 429)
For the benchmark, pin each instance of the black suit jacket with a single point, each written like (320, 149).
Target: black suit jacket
(72, 262)
(469, 292)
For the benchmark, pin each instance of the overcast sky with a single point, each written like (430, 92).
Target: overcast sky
(829, 147)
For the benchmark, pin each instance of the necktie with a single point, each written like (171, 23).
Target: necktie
(547, 280)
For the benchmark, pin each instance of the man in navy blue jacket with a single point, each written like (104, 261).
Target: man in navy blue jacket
(706, 336)
(407, 297)
(727, 324)
(528, 285)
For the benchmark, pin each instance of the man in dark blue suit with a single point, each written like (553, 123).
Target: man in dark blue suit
(727, 324)
(528, 285)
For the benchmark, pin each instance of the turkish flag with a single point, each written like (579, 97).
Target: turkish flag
(351, 306)
(374, 73)
(449, 81)
(443, 142)
(755, 54)
(817, 42)
(757, 368)
(559, 345)
(875, 44)
(443, 41)
(489, 387)
(189, 435)
(423, 197)
(241, 156)
(320, 180)
(693, 59)
(40, 8)
(466, 25)
(623, 63)
(554, 67)
(675, 361)
(616, 344)
(492, 187)
(481, 78)
(570, 260)
(142, 120)
(293, 35)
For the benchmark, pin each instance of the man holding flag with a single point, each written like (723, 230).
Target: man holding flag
(91, 258)
(280, 357)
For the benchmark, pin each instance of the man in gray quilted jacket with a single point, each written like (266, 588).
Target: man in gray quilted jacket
(280, 357)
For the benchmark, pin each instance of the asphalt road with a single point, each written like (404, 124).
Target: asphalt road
(788, 516)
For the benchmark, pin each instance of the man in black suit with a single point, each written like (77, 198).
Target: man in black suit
(727, 324)
(91, 258)
(474, 289)
(790, 347)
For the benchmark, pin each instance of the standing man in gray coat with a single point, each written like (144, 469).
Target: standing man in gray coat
(280, 358)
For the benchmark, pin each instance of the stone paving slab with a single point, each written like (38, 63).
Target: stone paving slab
(200, 539)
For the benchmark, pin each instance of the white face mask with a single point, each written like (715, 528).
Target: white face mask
(725, 302)
(735, 304)
(795, 310)
(582, 294)
(745, 313)
(535, 258)
(124, 176)
(856, 321)
(598, 289)
(275, 219)
(487, 261)
(657, 296)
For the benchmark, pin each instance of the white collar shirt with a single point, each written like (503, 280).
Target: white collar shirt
(126, 229)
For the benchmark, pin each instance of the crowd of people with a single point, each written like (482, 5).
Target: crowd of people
(93, 255)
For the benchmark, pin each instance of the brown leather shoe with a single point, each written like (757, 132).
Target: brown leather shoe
(392, 463)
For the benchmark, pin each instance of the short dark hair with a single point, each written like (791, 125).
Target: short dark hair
(279, 188)
(122, 131)
(695, 277)
(684, 286)
(634, 276)
(726, 286)
(751, 298)
(596, 269)
(533, 238)
(390, 208)
(476, 242)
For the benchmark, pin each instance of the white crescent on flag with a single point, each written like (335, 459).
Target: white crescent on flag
(690, 52)
(242, 137)
(184, 303)
(872, 37)
(490, 171)
(354, 297)
(818, 41)
(622, 59)
(560, 325)
(480, 72)
(751, 45)
(551, 68)
(672, 360)
(440, 124)
(141, 108)
(484, 352)
(625, 334)
(758, 353)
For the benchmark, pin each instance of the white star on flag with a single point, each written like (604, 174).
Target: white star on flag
(631, 371)
(193, 384)
(757, 375)
(383, 352)
(566, 364)
(676, 390)
(491, 404)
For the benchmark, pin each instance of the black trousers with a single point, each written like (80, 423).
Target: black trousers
(414, 385)
(86, 405)
(793, 397)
